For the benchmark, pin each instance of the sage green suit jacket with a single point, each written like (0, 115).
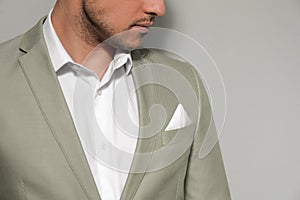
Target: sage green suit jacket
(41, 157)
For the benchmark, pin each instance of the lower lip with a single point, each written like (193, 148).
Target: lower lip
(142, 29)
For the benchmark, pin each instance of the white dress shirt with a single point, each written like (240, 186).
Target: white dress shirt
(110, 182)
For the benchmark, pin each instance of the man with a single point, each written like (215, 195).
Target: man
(49, 151)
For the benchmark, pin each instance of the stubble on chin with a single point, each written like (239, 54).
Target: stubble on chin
(94, 30)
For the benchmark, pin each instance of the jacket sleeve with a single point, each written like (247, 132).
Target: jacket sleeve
(205, 177)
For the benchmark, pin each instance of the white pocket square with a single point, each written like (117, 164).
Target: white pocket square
(180, 119)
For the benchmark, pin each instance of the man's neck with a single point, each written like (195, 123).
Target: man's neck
(94, 57)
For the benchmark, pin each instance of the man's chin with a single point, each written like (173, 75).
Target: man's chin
(127, 40)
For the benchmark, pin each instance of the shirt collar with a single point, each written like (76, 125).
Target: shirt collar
(59, 56)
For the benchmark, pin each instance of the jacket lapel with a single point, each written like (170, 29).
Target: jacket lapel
(145, 98)
(45, 87)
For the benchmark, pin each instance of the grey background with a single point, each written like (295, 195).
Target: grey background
(256, 44)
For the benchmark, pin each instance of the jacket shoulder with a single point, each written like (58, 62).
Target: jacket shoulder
(10, 45)
(10, 52)
(182, 67)
(161, 57)
(170, 61)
